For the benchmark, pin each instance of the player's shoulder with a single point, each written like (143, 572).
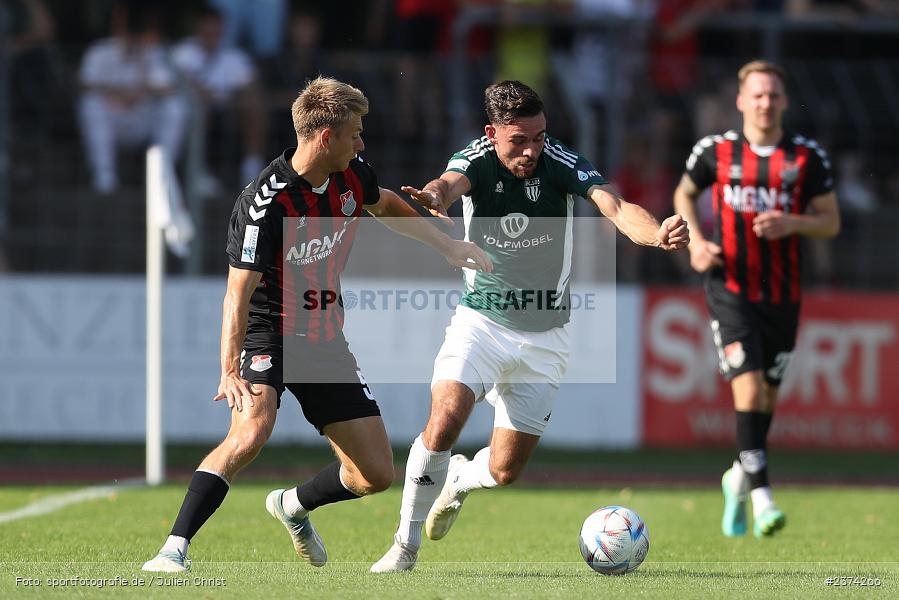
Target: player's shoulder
(559, 154)
(715, 139)
(812, 144)
(476, 152)
(256, 199)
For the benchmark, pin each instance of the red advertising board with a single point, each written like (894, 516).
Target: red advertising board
(841, 389)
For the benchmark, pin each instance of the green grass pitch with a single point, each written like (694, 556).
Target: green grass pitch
(509, 543)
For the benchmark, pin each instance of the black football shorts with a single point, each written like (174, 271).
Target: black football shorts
(751, 336)
(343, 395)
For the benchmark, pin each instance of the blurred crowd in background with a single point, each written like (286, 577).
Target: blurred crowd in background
(87, 85)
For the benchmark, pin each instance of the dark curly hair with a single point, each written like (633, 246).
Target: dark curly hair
(508, 101)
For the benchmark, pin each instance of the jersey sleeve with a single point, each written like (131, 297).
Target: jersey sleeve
(470, 161)
(700, 164)
(819, 176)
(366, 173)
(253, 234)
(577, 174)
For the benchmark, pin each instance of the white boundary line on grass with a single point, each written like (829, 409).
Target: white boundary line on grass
(55, 502)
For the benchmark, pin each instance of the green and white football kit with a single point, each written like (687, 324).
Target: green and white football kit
(509, 339)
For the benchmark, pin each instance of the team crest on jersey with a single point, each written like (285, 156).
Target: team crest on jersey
(736, 172)
(532, 188)
(347, 203)
(790, 173)
(262, 362)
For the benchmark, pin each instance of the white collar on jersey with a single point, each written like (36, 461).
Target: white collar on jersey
(321, 189)
(764, 151)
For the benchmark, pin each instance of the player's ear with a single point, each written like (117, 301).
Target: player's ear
(490, 130)
(324, 137)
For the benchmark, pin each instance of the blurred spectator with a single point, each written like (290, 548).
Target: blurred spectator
(674, 59)
(129, 97)
(522, 48)
(716, 111)
(645, 179)
(286, 73)
(33, 67)
(419, 31)
(223, 78)
(261, 21)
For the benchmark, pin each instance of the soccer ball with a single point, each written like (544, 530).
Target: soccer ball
(614, 540)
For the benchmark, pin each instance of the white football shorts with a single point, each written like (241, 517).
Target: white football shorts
(517, 372)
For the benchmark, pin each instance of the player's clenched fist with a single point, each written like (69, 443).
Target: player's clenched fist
(673, 234)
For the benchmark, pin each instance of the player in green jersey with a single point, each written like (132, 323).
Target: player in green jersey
(508, 340)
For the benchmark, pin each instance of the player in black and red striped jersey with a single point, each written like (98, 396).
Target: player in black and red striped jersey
(290, 234)
(769, 187)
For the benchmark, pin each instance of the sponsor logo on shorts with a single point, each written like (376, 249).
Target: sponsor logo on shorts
(735, 355)
(261, 362)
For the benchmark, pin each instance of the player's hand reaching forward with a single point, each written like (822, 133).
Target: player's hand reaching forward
(431, 202)
(236, 390)
(704, 255)
(773, 225)
(467, 254)
(673, 234)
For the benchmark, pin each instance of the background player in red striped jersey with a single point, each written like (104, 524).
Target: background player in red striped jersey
(769, 187)
(265, 331)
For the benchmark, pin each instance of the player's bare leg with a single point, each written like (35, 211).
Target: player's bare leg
(754, 403)
(365, 466)
(499, 464)
(426, 470)
(250, 429)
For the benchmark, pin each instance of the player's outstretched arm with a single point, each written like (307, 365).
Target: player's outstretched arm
(704, 254)
(822, 220)
(637, 224)
(235, 312)
(398, 216)
(439, 194)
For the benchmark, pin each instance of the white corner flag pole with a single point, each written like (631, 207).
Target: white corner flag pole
(156, 187)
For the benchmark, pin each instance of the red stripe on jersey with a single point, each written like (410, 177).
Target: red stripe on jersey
(802, 165)
(313, 231)
(285, 274)
(775, 266)
(332, 267)
(750, 180)
(724, 155)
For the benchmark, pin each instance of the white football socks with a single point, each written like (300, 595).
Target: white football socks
(475, 474)
(175, 542)
(761, 499)
(425, 476)
(291, 504)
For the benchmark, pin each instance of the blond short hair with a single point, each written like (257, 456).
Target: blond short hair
(760, 66)
(326, 102)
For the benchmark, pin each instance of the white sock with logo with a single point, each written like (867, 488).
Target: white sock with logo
(425, 476)
(175, 542)
(475, 474)
(761, 499)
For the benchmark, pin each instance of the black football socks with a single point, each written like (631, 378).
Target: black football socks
(752, 444)
(205, 494)
(324, 488)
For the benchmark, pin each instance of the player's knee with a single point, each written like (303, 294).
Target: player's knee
(250, 440)
(379, 479)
